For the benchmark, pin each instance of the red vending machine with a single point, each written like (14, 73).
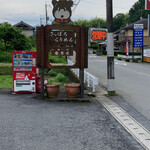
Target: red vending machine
(24, 72)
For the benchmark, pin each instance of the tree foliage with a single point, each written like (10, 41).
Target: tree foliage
(137, 11)
(120, 20)
(11, 38)
(92, 23)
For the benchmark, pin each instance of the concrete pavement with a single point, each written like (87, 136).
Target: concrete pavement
(29, 123)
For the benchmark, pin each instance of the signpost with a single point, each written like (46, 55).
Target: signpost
(98, 35)
(137, 38)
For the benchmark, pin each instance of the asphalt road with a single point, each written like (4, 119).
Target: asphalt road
(27, 123)
(132, 81)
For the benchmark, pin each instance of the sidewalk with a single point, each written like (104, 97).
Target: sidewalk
(30, 123)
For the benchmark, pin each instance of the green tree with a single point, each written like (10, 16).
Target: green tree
(92, 23)
(13, 38)
(137, 11)
(118, 21)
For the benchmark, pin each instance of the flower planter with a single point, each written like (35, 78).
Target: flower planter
(72, 89)
(52, 89)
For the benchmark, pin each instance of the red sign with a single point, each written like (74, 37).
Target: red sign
(147, 4)
(127, 48)
(98, 35)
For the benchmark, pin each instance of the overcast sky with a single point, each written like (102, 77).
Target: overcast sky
(30, 11)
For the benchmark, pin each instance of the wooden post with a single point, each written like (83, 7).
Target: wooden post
(42, 62)
(81, 78)
(81, 72)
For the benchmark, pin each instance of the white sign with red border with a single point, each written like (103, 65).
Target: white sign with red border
(147, 4)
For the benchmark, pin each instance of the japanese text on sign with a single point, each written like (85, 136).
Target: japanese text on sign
(62, 42)
(138, 35)
(62, 36)
(98, 35)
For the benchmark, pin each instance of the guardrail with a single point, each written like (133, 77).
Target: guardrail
(89, 78)
(129, 57)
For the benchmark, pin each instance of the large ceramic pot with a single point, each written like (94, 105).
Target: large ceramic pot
(52, 89)
(72, 89)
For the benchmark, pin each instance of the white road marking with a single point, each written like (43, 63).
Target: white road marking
(92, 56)
(141, 134)
(120, 63)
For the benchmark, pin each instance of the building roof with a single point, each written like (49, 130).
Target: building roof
(142, 21)
(24, 26)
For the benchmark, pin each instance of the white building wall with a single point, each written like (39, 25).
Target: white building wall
(28, 32)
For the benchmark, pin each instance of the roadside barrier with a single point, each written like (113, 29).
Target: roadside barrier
(89, 79)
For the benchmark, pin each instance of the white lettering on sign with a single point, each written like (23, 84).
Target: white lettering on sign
(138, 26)
(26, 78)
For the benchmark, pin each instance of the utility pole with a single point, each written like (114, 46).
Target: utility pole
(47, 18)
(42, 68)
(110, 48)
(41, 21)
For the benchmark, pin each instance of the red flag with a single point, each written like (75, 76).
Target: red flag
(147, 4)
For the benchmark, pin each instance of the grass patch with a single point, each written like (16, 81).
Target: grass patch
(5, 70)
(6, 81)
(57, 59)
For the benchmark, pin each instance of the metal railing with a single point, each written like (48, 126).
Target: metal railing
(89, 78)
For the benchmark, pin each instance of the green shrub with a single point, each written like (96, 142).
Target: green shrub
(57, 59)
(63, 71)
(124, 53)
(5, 56)
(60, 78)
(94, 51)
(94, 45)
(5, 70)
(52, 80)
(52, 73)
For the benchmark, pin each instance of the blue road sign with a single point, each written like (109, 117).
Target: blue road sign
(138, 37)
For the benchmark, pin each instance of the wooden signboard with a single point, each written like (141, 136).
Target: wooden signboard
(62, 40)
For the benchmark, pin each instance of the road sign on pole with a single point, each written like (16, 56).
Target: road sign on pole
(147, 4)
(138, 35)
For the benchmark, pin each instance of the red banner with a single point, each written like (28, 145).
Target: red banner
(127, 48)
(147, 4)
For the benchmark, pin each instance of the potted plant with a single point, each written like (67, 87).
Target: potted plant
(52, 89)
(72, 89)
